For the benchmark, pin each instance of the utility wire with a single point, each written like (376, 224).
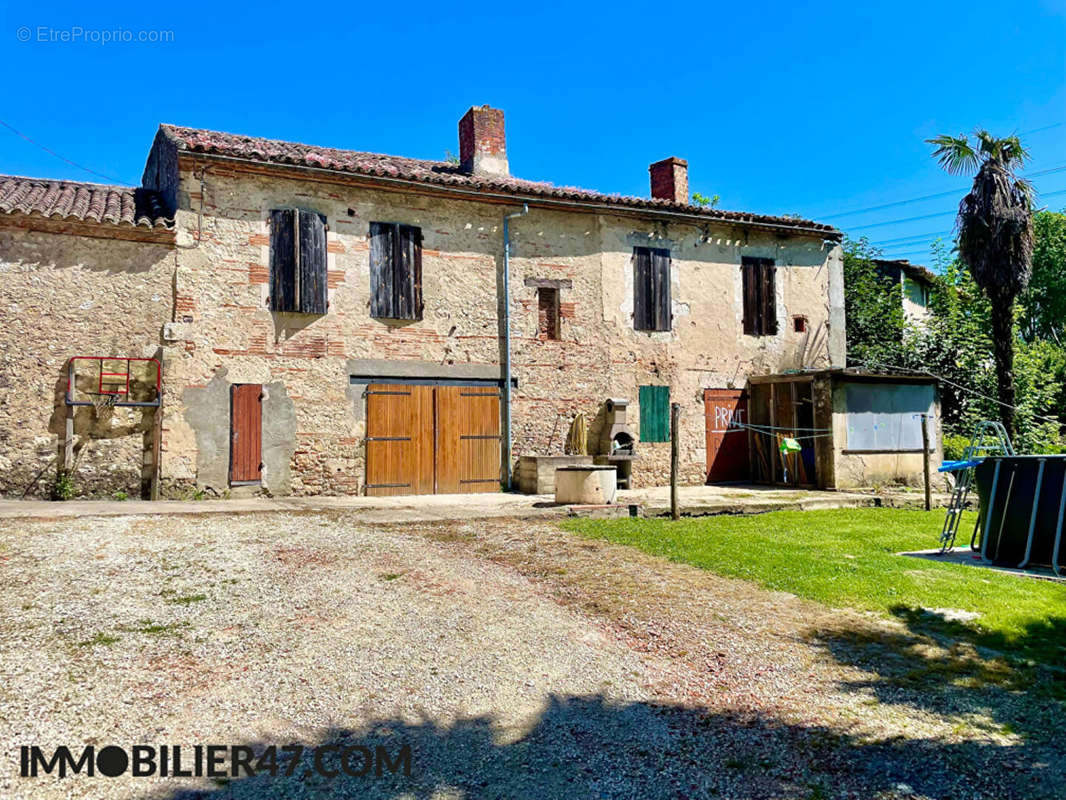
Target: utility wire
(939, 214)
(63, 158)
(894, 204)
(958, 386)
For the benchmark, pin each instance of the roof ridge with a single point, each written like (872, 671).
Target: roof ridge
(33, 179)
(442, 173)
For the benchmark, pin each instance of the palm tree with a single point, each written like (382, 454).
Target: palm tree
(995, 227)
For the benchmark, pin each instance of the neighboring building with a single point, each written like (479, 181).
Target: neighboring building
(916, 284)
(336, 322)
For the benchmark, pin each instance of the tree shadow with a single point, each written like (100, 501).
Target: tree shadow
(1017, 684)
(589, 747)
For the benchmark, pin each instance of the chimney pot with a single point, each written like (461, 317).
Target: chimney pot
(482, 143)
(669, 180)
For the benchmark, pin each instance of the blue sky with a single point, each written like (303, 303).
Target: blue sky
(778, 107)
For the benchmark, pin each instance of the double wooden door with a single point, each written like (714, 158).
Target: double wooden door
(432, 439)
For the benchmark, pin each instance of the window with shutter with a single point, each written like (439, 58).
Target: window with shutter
(651, 289)
(395, 271)
(298, 261)
(654, 404)
(760, 299)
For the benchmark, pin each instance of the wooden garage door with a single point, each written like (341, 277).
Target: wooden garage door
(399, 439)
(246, 434)
(727, 443)
(432, 439)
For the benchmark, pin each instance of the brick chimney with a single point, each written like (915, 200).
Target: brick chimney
(482, 143)
(669, 180)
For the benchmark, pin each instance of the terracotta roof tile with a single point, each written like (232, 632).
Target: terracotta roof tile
(441, 173)
(83, 202)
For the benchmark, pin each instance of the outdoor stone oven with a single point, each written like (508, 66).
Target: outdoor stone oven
(617, 446)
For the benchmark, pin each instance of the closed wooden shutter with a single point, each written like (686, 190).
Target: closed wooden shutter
(283, 260)
(654, 413)
(768, 297)
(749, 275)
(651, 289)
(381, 247)
(408, 265)
(760, 299)
(395, 271)
(312, 253)
(660, 276)
(641, 288)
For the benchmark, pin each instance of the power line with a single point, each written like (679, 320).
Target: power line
(958, 386)
(908, 219)
(916, 237)
(939, 214)
(952, 192)
(62, 158)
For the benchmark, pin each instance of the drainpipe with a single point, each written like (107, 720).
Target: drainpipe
(509, 482)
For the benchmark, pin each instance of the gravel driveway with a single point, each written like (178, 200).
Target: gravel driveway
(512, 658)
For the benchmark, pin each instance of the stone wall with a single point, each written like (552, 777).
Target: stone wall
(203, 305)
(223, 322)
(62, 295)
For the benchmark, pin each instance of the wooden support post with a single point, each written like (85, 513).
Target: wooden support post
(925, 463)
(675, 457)
(68, 441)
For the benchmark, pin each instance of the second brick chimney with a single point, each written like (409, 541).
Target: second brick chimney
(482, 143)
(669, 180)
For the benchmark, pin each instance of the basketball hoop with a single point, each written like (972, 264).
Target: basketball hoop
(104, 400)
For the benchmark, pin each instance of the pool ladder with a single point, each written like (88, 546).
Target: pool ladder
(989, 439)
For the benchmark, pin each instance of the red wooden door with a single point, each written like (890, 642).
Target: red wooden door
(727, 438)
(246, 434)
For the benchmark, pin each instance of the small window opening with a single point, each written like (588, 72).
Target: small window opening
(548, 313)
(799, 324)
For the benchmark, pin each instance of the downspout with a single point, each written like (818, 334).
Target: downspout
(509, 481)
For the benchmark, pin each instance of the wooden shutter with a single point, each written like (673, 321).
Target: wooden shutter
(749, 274)
(395, 271)
(283, 260)
(651, 289)
(760, 300)
(407, 264)
(768, 297)
(381, 249)
(654, 413)
(661, 316)
(312, 251)
(642, 289)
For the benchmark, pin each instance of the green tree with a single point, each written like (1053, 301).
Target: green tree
(873, 309)
(1044, 301)
(995, 241)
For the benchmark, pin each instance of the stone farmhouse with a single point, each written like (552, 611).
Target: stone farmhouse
(305, 320)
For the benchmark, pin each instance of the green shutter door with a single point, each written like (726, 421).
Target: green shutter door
(654, 413)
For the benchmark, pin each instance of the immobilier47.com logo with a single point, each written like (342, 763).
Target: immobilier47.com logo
(214, 761)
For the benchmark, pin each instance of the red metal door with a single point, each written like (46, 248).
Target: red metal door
(727, 438)
(246, 434)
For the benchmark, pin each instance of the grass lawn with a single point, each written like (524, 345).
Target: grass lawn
(847, 558)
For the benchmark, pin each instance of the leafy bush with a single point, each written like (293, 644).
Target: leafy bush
(954, 446)
(63, 485)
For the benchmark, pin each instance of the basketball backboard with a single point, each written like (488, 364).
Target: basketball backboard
(116, 380)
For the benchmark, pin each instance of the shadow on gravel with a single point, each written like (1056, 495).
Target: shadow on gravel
(584, 747)
(951, 667)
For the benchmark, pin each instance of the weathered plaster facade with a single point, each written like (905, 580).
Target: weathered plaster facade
(202, 303)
